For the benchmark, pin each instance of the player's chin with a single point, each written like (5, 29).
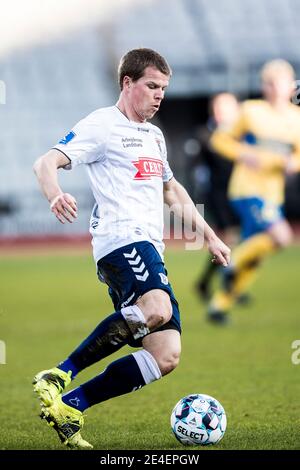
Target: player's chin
(151, 113)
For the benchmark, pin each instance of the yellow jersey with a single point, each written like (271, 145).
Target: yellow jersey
(273, 137)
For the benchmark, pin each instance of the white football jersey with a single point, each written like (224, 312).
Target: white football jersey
(127, 164)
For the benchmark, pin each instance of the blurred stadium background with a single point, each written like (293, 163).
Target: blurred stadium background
(58, 63)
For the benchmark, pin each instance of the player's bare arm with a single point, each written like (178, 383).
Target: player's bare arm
(63, 205)
(176, 196)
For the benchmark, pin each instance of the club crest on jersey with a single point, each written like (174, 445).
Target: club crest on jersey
(67, 138)
(148, 167)
(163, 278)
(159, 143)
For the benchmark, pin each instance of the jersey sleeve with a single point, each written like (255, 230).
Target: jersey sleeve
(85, 143)
(167, 172)
(295, 156)
(226, 142)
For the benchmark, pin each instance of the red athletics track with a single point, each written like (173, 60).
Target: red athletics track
(71, 245)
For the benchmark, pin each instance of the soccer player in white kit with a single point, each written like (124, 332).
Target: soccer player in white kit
(126, 160)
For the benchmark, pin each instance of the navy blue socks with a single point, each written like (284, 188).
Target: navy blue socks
(120, 377)
(77, 399)
(109, 336)
(68, 365)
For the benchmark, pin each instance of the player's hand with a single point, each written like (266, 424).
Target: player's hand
(64, 207)
(220, 251)
(291, 166)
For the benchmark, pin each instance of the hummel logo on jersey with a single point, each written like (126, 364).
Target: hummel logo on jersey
(67, 138)
(137, 265)
(126, 302)
(148, 167)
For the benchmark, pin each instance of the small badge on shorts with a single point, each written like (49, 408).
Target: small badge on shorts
(163, 278)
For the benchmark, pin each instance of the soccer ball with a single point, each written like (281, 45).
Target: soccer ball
(198, 420)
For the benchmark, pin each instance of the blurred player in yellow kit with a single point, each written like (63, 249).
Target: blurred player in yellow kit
(264, 145)
(223, 112)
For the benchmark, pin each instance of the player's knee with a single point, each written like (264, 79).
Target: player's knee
(281, 234)
(156, 307)
(287, 239)
(161, 313)
(168, 362)
(284, 239)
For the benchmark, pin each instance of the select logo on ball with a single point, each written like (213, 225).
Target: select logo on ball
(198, 419)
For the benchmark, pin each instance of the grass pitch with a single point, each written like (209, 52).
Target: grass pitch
(48, 304)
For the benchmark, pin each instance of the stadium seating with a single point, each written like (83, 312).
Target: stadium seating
(49, 88)
(211, 46)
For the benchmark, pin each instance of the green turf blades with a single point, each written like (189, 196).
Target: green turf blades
(247, 366)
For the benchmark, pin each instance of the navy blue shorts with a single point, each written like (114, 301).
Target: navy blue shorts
(133, 270)
(256, 214)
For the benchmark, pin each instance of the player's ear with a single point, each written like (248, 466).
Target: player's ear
(127, 82)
